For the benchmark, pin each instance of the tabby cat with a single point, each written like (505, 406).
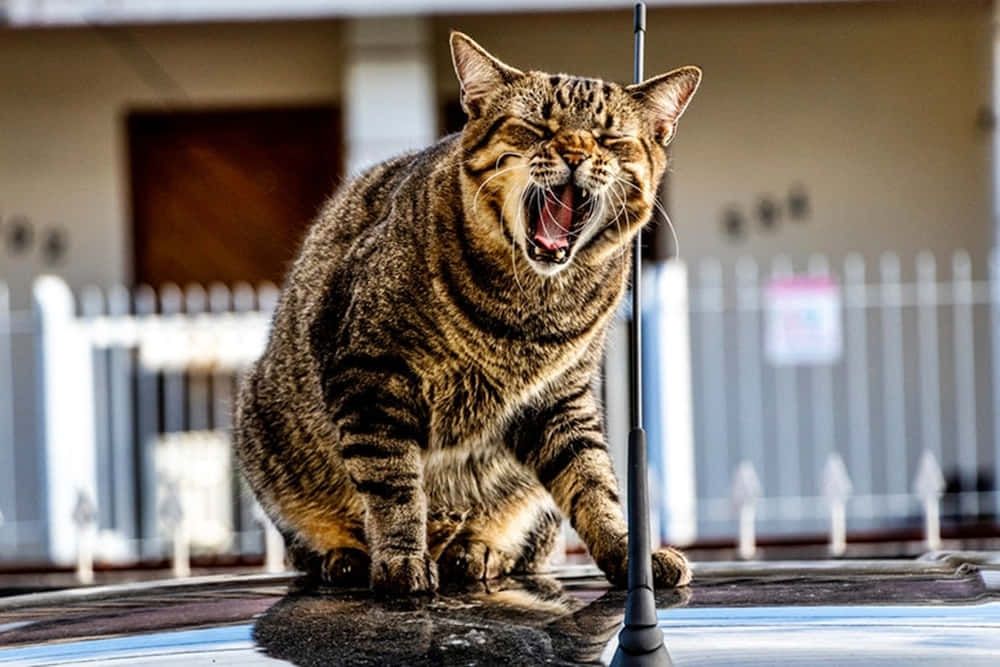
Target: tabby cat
(424, 407)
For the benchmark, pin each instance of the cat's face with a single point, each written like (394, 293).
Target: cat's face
(568, 166)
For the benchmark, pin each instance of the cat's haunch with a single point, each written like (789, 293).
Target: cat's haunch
(424, 407)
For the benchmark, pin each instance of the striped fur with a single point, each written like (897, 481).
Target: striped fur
(424, 403)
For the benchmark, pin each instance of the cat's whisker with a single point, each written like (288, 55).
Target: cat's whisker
(623, 251)
(618, 215)
(663, 212)
(515, 232)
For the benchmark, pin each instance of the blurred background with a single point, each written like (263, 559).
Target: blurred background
(829, 336)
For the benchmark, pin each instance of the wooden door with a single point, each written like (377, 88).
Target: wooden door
(227, 195)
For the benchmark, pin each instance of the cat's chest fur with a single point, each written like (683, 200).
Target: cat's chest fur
(474, 404)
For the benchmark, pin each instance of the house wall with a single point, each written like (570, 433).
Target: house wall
(63, 97)
(874, 108)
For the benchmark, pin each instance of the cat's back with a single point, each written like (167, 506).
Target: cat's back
(385, 193)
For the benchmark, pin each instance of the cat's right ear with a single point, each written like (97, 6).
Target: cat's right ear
(479, 73)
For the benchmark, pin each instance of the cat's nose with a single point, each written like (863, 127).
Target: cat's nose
(574, 158)
(574, 147)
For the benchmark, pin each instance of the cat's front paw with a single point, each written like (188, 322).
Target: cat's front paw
(473, 561)
(670, 569)
(403, 574)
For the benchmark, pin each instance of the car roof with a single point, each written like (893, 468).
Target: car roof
(943, 609)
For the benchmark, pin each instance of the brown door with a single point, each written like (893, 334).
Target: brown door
(227, 195)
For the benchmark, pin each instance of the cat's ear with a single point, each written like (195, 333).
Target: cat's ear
(478, 72)
(666, 97)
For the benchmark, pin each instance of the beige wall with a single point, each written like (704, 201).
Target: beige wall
(63, 96)
(872, 107)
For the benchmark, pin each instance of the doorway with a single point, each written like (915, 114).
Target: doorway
(226, 195)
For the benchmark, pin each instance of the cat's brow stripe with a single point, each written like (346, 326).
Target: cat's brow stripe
(487, 136)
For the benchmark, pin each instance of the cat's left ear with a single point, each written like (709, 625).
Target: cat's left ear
(478, 72)
(666, 97)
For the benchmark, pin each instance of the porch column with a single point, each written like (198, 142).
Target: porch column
(389, 100)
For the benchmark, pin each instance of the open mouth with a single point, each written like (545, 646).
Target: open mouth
(556, 217)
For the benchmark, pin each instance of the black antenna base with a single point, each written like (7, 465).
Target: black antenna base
(640, 642)
(656, 658)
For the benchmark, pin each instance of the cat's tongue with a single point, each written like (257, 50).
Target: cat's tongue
(556, 220)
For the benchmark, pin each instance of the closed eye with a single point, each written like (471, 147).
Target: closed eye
(612, 139)
(540, 131)
(519, 135)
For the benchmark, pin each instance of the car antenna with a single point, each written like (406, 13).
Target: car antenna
(640, 642)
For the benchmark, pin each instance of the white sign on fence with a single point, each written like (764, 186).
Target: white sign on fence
(803, 319)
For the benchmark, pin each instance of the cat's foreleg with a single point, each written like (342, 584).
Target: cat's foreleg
(381, 449)
(388, 476)
(566, 447)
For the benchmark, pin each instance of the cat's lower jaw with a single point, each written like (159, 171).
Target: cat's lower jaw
(403, 573)
(670, 568)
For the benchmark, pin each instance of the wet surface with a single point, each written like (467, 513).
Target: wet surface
(516, 621)
(888, 612)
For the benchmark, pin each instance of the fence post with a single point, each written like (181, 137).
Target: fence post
(836, 489)
(85, 521)
(147, 398)
(856, 349)
(994, 281)
(274, 543)
(928, 485)
(749, 363)
(823, 420)
(789, 445)
(66, 399)
(121, 399)
(745, 493)
(672, 415)
(927, 338)
(965, 382)
(8, 447)
(712, 369)
(893, 380)
(175, 523)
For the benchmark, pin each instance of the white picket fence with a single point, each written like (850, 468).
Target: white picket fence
(917, 373)
(116, 374)
(127, 383)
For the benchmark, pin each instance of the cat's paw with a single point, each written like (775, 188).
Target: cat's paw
(345, 567)
(402, 574)
(670, 569)
(473, 561)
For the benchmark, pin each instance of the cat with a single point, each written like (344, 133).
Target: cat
(424, 406)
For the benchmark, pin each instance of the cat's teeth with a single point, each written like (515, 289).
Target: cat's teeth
(561, 254)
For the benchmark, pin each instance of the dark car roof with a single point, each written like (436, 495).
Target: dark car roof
(937, 611)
